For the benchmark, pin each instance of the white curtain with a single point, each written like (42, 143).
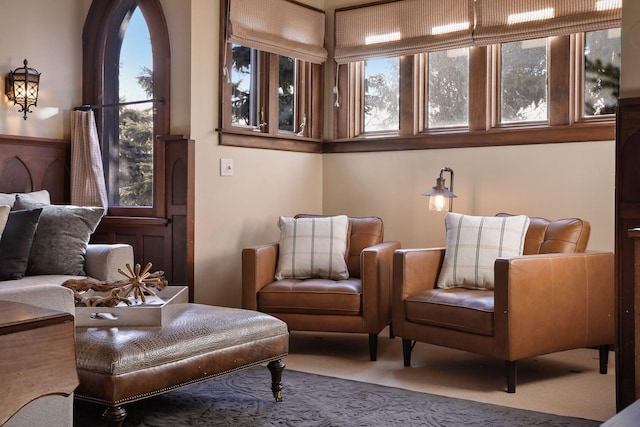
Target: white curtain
(88, 187)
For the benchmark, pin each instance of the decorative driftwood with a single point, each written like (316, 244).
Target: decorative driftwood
(137, 284)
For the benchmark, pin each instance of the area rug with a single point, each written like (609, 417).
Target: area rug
(244, 399)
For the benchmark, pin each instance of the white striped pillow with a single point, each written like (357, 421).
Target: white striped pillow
(474, 243)
(313, 247)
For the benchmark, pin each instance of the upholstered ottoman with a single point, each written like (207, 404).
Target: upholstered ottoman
(117, 365)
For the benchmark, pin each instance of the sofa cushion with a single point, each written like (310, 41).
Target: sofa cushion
(312, 247)
(474, 243)
(312, 296)
(16, 241)
(467, 310)
(61, 238)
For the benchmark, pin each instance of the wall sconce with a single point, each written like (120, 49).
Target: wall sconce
(21, 87)
(439, 194)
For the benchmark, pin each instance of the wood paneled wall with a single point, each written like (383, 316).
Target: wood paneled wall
(627, 218)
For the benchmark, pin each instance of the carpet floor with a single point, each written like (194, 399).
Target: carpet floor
(244, 399)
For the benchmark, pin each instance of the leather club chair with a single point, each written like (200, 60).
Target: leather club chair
(359, 304)
(555, 297)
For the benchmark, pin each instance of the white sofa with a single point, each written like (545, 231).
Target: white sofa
(102, 262)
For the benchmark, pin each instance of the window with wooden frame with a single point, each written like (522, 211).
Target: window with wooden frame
(133, 157)
(271, 90)
(526, 81)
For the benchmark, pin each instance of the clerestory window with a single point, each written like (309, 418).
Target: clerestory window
(478, 72)
(272, 75)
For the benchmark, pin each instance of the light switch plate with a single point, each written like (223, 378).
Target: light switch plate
(226, 167)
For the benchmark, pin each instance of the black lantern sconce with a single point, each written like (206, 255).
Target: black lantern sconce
(21, 87)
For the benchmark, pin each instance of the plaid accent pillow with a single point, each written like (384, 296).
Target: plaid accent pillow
(474, 243)
(313, 247)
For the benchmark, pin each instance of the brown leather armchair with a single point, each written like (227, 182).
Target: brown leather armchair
(359, 304)
(555, 297)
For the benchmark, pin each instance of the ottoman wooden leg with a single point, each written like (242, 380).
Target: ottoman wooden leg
(276, 367)
(114, 416)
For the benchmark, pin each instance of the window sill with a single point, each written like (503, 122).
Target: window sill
(138, 221)
(249, 139)
(456, 138)
(581, 132)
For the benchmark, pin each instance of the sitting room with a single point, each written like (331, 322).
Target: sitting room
(213, 123)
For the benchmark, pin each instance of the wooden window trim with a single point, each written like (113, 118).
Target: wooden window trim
(308, 102)
(483, 129)
(102, 18)
(578, 88)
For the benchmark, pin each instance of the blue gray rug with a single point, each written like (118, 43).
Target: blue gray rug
(244, 399)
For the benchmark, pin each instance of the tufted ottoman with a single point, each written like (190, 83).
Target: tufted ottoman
(117, 365)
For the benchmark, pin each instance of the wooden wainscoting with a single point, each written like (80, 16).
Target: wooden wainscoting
(31, 164)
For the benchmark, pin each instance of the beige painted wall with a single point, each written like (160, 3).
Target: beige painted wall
(49, 35)
(234, 212)
(552, 181)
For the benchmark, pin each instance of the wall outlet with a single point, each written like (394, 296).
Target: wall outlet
(226, 167)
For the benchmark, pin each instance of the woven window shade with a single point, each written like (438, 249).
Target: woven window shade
(402, 28)
(278, 26)
(563, 17)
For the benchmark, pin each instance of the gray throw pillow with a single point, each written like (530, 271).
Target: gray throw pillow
(15, 243)
(60, 242)
(41, 196)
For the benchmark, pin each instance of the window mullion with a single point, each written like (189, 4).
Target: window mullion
(225, 87)
(356, 94)
(342, 113)
(268, 110)
(314, 88)
(408, 96)
(421, 83)
(560, 89)
(482, 94)
(300, 103)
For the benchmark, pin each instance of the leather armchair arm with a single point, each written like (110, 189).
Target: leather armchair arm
(414, 270)
(258, 269)
(375, 272)
(548, 303)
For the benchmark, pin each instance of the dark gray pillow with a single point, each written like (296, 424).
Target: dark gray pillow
(16, 241)
(61, 238)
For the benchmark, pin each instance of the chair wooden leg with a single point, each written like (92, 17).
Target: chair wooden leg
(604, 358)
(511, 369)
(391, 334)
(406, 351)
(373, 347)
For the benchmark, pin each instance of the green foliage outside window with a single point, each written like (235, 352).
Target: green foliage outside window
(135, 171)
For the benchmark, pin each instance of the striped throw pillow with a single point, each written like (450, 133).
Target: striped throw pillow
(313, 247)
(474, 243)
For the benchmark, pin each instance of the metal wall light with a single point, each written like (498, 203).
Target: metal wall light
(440, 197)
(21, 87)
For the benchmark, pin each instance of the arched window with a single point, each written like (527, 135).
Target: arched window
(114, 81)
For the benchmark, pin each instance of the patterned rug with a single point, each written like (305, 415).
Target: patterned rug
(244, 399)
